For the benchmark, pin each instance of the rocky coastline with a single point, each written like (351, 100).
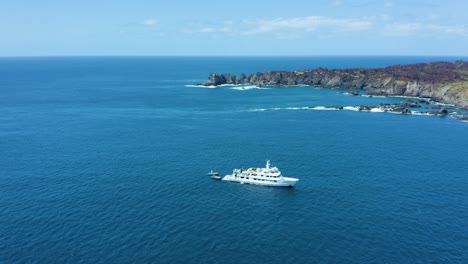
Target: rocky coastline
(444, 82)
(405, 107)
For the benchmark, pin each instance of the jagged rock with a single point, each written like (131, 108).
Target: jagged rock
(440, 81)
(401, 110)
(462, 118)
(354, 93)
(409, 104)
(364, 108)
(338, 107)
(442, 112)
(395, 108)
(242, 78)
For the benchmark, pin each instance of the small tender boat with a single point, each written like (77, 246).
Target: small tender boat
(268, 176)
(214, 175)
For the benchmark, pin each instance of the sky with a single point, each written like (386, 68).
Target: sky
(233, 28)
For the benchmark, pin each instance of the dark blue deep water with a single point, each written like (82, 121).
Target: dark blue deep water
(104, 160)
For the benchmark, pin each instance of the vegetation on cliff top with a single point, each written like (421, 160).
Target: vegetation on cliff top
(442, 81)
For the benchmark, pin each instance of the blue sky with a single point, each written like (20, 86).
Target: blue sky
(323, 27)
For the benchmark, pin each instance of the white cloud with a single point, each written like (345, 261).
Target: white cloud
(207, 30)
(457, 30)
(225, 29)
(385, 17)
(329, 27)
(221, 27)
(308, 24)
(149, 22)
(289, 36)
(389, 4)
(336, 3)
(213, 29)
(402, 28)
(406, 29)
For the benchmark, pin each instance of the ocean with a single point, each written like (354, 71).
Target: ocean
(105, 160)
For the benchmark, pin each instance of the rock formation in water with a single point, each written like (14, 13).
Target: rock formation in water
(444, 82)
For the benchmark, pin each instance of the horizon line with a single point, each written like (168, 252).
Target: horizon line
(220, 56)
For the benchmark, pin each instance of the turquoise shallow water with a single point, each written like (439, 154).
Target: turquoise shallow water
(104, 159)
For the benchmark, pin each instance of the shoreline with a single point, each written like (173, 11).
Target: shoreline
(411, 106)
(443, 82)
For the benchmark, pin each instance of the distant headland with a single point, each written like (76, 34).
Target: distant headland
(445, 82)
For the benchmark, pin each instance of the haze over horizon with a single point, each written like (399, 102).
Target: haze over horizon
(240, 28)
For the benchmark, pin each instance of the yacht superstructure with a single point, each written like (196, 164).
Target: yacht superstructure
(268, 176)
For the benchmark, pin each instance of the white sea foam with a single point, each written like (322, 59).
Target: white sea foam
(431, 114)
(442, 104)
(295, 108)
(348, 93)
(199, 86)
(318, 108)
(419, 113)
(231, 85)
(374, 96)
(321, 108)
(247, 87)
(214, 86)
(406, 97)
(258, 110)
(275, 109)
(350, 108)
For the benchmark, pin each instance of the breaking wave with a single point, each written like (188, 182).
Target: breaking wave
(345, 108)
(248, 87)
(199, 86)
(239, 87)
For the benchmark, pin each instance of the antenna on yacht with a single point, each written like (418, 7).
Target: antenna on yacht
(268, 164)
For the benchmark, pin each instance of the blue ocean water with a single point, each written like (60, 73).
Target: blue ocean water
(104, 160)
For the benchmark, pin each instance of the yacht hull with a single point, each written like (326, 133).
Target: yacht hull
(286, 182)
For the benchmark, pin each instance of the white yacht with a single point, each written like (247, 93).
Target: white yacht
(268, 176)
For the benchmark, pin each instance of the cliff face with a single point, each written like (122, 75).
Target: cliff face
(441, 81)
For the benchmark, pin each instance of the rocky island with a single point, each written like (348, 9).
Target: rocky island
(445, 82)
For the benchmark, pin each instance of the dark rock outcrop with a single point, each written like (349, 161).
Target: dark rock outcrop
(392, 108)
(462, 118)
(440, 81)
(409, 104)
